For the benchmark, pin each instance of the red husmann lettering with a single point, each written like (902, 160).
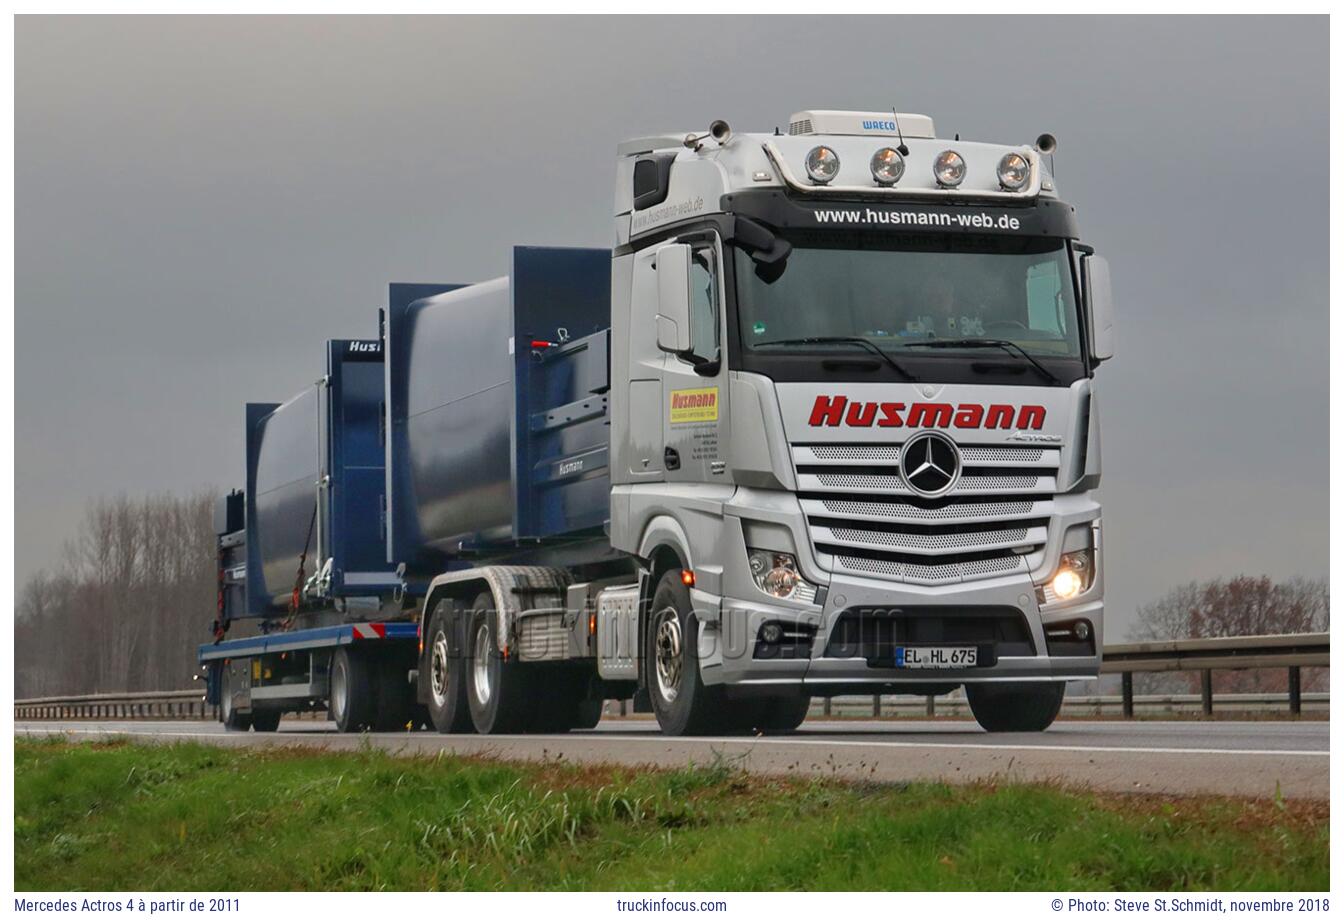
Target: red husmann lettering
(834, 411)
(694, 400)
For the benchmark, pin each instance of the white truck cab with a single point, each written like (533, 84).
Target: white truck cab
(855, 436)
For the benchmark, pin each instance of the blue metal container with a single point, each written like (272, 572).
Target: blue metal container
(315, 486)
(497, 410)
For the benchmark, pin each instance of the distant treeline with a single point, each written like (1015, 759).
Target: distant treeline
(126, 606)
(1243, 605)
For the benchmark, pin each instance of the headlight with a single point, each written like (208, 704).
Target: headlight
(777, 575)
(949, 169)
(888, 166)
(1074, 575)
(822, 164)
(1014, 171)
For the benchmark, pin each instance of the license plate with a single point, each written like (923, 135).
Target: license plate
(939, 656)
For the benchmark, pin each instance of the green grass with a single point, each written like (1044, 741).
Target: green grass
(119, 816)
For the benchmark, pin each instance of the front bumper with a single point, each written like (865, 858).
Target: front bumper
(730, 653)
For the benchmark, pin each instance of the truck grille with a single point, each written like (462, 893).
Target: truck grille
(993, 521)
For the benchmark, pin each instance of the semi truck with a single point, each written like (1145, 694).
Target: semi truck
(822, 421)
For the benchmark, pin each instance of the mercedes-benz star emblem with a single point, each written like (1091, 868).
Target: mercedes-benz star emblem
(930, 463)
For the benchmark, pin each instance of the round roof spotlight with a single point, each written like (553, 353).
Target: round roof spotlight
(1014, 171)
(888, 166)
(949, 169)
(822, 164)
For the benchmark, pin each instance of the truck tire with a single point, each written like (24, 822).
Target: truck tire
(234, 721)
(682, 703)
(265, 720)
(783, 714)
(498, 690)
(445, 670)
(393, 696)
(351, 702)
(1026, 707)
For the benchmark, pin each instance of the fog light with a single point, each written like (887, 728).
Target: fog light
(1082, 630)
(1067, 584)
(772, 633)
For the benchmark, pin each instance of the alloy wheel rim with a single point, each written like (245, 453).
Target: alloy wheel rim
(667, 653)
(338, 692)
(481, 665)
(439, 669)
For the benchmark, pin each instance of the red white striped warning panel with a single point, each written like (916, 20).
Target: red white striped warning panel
(370, 630)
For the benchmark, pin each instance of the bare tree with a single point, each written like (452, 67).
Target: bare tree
(1239, 606)
(132, 597)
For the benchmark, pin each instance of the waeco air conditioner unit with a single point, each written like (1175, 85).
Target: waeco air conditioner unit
(879, 124)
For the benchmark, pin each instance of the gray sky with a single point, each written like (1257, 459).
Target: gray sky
(201, 202)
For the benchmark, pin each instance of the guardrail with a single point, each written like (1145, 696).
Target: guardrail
(1153, 704)
(1202, 655)
(144, 704)
(1234, 653)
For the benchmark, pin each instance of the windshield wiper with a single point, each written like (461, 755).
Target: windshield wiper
(843, 340)
(1011, 347)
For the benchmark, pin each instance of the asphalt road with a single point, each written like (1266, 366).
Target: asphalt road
(1175, 758)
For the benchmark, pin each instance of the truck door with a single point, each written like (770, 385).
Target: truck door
(643, 429)
(695, 410)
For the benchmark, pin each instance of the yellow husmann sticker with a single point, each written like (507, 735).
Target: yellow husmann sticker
(694, 406)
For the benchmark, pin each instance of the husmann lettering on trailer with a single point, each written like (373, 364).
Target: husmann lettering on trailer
(833, 411)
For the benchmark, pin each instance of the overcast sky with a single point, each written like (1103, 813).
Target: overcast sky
(201, 202)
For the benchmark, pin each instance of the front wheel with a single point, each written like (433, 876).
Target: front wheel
(1015, 707)
(681, 701)
(783, 714)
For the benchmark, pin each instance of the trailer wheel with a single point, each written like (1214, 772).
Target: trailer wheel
(1025, 707)
(681, 702)
(445, 666)
(498, 691)
(351, 703)
(265, 720)
(393, 695)
(233, 720)
(783, 714)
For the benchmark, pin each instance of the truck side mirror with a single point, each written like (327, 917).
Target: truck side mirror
(673, 264)
(1100, 312)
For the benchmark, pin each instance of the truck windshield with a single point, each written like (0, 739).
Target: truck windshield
(896, 291)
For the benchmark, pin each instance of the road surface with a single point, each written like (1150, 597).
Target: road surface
(1176, 758)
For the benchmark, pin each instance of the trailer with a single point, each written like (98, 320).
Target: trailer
(821, 422)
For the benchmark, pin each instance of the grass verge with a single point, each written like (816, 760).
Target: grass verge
(121, 816)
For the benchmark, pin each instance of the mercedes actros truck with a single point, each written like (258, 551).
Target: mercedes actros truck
(823, 421)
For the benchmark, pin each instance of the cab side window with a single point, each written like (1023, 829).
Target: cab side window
(704, 302)
(1045, 303)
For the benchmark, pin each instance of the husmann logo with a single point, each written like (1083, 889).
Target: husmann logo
(834, 411)
(366, 347)
(879, 125)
